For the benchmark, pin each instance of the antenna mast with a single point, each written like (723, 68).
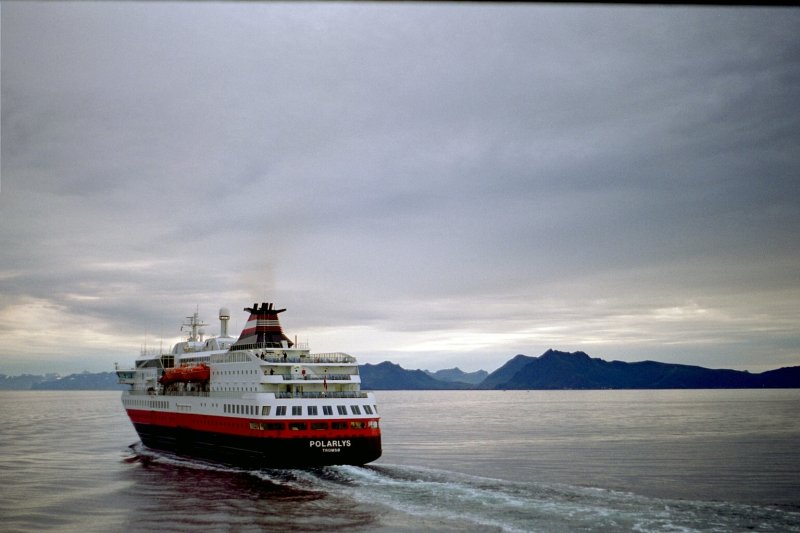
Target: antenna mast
(194, 322)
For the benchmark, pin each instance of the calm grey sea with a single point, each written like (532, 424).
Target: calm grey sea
(724, 460)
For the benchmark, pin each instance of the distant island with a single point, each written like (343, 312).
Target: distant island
(82, 381)
(552, 370)
(576, 370)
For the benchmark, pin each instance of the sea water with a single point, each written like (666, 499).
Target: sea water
(726, 460)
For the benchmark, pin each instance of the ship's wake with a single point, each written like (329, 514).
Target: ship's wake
(476, 503)
(405, 498)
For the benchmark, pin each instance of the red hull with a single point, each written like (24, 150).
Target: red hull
(259, 427)
(259, 442)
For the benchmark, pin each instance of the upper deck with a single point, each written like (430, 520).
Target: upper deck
(269, 363)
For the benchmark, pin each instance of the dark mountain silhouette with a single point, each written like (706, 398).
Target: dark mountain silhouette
(82, 381)
(787, 377)
(505, 372)
(551, 370)
(390, 376)
(22, 382)
(459, 376)
(562, 370)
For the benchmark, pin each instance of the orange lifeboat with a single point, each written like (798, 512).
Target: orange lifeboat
(197, 373)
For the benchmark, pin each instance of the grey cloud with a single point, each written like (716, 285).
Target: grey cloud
(366, 158)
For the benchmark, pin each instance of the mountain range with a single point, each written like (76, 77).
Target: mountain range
(458, 376)
(551, 370)
(576, 370)
(82, 381)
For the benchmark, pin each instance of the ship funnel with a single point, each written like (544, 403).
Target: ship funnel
(224, 316)
(263, 329)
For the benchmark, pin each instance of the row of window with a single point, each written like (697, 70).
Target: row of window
(235, 372)
(302, 426)
(297, 410)
(245, 409)
(281, 410)
(231, 357)
(152, 404)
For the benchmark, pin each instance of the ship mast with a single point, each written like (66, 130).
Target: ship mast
(194, 322)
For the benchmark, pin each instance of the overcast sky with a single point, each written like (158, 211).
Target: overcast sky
(437, 185)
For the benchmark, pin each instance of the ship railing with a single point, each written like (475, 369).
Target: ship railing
(140, 392)
(280, 359)
(307, 359)
(325, 358)
(203, 394)
(262, 346)
(269, 346)
(344, 394)
(331, 357)
(319, 377)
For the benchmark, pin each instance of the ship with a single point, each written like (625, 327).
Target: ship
(261, 400)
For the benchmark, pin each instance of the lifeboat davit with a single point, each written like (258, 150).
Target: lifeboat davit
(185, 374)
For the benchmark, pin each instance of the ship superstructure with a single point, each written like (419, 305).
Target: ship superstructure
(261, 399)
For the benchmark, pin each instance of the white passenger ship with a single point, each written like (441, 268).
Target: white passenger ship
(260, 400)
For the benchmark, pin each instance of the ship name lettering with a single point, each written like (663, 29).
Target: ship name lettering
(329, 443)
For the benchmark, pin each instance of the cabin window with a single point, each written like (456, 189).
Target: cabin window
(297, 426)
(297, 410)
(312, 410)
(355, 409)
(373, 424)
(272, 426)
(368, 409)
(338, 425)
(319, 425)
(342, 409)
(280, 410)
(265, 410)
(358, 424)
(327, 410)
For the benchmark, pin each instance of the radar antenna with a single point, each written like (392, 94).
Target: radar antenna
(193, 322)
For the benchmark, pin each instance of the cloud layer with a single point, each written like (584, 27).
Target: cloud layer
(436, 184)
